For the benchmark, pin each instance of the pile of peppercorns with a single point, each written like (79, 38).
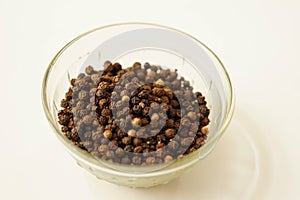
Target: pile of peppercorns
(141, 115)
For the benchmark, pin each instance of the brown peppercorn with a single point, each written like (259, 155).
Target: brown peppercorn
(113, 145)
(118, 104)
(119, 152)
(140, 132)
(192, 115)
(87, 119)
(129, 86)
(105, 112)
(115, 79)
(155, 68)
(122, 123)
(106, 64)
(138, 149)
(185, 122)
(137, 65)
(170, 132)
(141, 75)
(136, 160)
(103, 148)
(187, 142)
(83, 94)
(159, 82)
(135, 100)
(160, 145)
(135, 80)
(107, 134)
(102, 120)
(110, 154)
(117, 66)
(126, 140)
(64, 119)
(136, 122)
(201, 100)
(169, 93)
(142, 105)
(125, 98)
(191, 150)
(178, 113)
(125, 160)
(64, 103)
(173, 75)
(143, 94)
(103, 85)
(147, 66)
(204, 110)
(165, 99)
(101, 94)
(95, 154)
(194, 127)
(131, 133)
(172, 113)
(120, 134)
(102, 103)
(151, 74)
(154, 105)
(95, 78)
(159, 153)
(145, 121)
(199, 141)
(146, 149)
(155, 117)
(176, 84)
(191, 134)
(170, 123)
(128, 148)
(204, 130)
(73, 80)
(64, 129)
(186, 83)
(150, 160)
(205, 121)
(89, 70)
(159, 92)
(154, 124)
(168, 158)
(137, 109)
(117, 160)
(146, 87)
(137, 141)
(96, 136)
(173, 145)
(104, 141)
(93, 92)
(161, 138)
(124, 93)
(145, 111)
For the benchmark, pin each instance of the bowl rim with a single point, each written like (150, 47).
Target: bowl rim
(83, 156)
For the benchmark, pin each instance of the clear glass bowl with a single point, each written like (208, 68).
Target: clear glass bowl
(127, 43)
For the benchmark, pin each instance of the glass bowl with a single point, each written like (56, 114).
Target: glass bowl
(127, 43)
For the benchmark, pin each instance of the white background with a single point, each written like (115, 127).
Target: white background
(258, 41)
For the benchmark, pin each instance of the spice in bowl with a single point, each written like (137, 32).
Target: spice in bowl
(140, 115)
